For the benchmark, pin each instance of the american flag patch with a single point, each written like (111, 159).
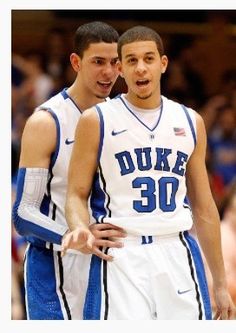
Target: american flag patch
(179, 131)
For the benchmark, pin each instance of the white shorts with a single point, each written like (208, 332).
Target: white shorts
(151, 277)
(55, 287)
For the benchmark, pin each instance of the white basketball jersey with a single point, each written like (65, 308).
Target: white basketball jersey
(140, 184)
(66, 115)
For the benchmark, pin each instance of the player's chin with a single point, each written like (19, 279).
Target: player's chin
(144, 96)
(143, 92)
(102, 96)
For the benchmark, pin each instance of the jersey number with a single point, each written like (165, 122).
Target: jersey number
(167, 187)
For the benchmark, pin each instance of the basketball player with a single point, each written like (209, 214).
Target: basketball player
(55, 286)
(146, 153)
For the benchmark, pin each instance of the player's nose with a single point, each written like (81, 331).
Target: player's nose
(140, 67)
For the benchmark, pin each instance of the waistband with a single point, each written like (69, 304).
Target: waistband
(143, 240)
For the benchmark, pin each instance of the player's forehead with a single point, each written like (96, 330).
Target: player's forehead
(139, 48)
(101, 50)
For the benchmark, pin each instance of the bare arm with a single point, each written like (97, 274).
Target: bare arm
(37, 145)
(83, 165)
(38, 141)
(207, 222)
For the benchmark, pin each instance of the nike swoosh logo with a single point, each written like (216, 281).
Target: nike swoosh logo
(118, 132)
(180, 292)
(68, 142)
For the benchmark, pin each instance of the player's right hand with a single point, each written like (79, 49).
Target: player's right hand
(106, 235)
(225, 308)
(77, 239)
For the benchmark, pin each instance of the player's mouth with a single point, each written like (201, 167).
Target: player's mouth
(142, 83)
(105, 84)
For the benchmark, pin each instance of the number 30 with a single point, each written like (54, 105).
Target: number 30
(148, 191)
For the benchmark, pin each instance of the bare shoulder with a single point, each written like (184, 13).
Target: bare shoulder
(199, 119)
(40, 120)
(38, 140)
(87, 132)
(40, 127)
(200, 126)
(201, 144)
(90, 115)
(88, 122)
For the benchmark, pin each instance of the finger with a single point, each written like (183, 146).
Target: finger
(102, 255)
(231, 314)
(221, 315)
(77, 236)
(90, 240)
(63, 249)
(108, 243)
(109, 226)
(224, 315)
(110, 233)
(217, 315)
(85, 250)
(105, 226)
(66, 242)
(113, 233)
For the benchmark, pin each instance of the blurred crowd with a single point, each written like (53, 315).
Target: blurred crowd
(201, 74)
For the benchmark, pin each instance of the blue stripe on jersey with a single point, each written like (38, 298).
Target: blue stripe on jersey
(117, 96)
(92, 304)
(196, 254)
(186, 203)
(190, 124)
(26, 227)
(55, 154)
(42, 299)
(158, 120)
(101, 132)
(97, 200)
(65, 96)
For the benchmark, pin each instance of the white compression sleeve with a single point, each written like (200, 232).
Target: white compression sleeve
(28, 219)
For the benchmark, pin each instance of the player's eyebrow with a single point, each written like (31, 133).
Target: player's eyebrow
(103, 58)
(97, 57)
(135, 55)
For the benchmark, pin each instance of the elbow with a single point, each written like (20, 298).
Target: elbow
(18, 221)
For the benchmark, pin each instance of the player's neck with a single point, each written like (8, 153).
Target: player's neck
(152, 102)
(82, 99)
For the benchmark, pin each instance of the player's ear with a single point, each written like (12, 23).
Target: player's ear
(119, 66)
(164, 63)
(75, 61)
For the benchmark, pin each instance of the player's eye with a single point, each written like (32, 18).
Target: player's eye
(131, 60)
(98, 61)
(149, 59)
(114, 61)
